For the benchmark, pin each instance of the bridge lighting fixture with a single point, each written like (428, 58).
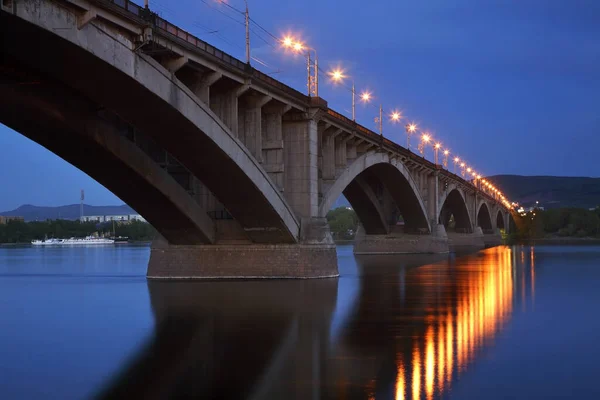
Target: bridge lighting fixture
(410, 129)
(365, 96)
(436, 148)
(287, 41)
(424, 140)
(396, 116)
(337, 75)
(312, 69)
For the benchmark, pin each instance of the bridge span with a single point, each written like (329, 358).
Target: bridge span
(234, 169)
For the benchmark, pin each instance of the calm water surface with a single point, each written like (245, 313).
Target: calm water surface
(518, 322)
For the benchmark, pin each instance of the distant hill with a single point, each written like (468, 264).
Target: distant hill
(37, 213)
(550, 191)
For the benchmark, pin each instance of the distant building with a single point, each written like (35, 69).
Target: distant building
(110, 218)
(7, 219)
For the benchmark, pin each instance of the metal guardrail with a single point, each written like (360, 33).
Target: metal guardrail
(179, 34)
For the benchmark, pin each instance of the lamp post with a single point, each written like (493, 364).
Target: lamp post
(462, 169)
(445, 162)
(247, 18)
(410, 129)
(337, 75)
(456, 161)
(436, 149)
(424, 140)
(312, 68)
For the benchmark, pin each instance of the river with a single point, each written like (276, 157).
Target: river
(506, 322)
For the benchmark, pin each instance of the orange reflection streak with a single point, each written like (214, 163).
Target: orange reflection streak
(482, 300)
(441, 356)
(449, 346)
(400, 382)
(429, 363)
(532, 275)
(416, 373)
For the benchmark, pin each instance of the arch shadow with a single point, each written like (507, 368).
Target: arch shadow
(455, 205)
(484, 219)
(396, 179)
(500, 220)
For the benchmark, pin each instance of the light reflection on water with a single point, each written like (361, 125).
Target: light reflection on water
(403, 327)
(475, 306)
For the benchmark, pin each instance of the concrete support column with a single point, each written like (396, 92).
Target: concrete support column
(475, 201)
(329, 154)
(250, 124)
(272, 142)
(199, 83)
(352, 150)
(340, 155)
(301, 170)
(225, 105)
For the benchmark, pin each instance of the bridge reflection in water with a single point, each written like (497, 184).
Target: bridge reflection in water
(386, 329)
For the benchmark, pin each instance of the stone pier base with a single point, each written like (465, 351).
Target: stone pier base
(253, 261)
(314, 257)
(458, 241)
(492, 240)
(401, 243)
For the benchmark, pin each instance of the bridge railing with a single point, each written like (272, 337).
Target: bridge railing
(178, 34)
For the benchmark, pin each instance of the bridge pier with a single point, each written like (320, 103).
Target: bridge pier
(398, 242)
(492, 239)
(458, 241)
(230, 258)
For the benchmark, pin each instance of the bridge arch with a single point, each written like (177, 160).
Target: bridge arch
(484, 219)
(500, 220)
(92, 144)
(454, 205)
(396, 179)
(108, 71)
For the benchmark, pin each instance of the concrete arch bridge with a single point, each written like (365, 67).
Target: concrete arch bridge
(225, 162)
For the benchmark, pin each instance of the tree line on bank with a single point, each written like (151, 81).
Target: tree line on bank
(343, 223)
(558, 222)
(25, 232)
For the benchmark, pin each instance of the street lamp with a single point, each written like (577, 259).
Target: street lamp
(456, 161)
(446, 154)
(424, 140)
(436, 148)
(410, 129)
(337, 75)
(312, 69)
(462, 169)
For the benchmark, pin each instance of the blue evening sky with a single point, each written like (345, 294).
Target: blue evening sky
(513, 86)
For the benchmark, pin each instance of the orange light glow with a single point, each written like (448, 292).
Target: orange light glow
(438, 145)
(426, 138)
(365, 96)
(337, 75)
(396, 116)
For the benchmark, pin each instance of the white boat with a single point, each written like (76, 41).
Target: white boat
(47, 242)
(88, 240)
